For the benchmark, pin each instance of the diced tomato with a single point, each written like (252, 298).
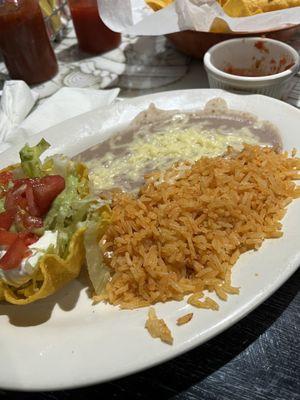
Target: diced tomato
(29, 200)
(10, 201)
(38, 194)
(7, 238)
(46, 190)
(7, 219)
(20, 182)
(14, 255)
(28, 238)
(16, 199)
(28, 253)
(32, 207)
(5, 178)
(30, 221)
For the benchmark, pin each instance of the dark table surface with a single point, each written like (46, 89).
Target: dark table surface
(258, 358)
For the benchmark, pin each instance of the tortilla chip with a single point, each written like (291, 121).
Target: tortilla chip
(274, 5)
(220, 26)
(236, 8)
(158, 4)
(53, 273)
(241, 8)
(244, 8)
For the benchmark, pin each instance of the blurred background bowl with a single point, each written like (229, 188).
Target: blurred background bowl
(196, 44)
(263, 66)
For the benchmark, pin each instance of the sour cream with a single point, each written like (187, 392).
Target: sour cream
(23, 273)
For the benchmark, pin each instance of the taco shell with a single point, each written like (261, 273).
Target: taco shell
(53, 273)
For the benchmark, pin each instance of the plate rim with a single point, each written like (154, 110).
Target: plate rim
(196, 341)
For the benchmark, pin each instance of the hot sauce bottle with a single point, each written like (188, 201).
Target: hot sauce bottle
(24, 42)
(92, 34)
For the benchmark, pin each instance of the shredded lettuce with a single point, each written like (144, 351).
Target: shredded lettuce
(59, 165)
(72, 208)
(2, 208)
(68, 209)
(96, 227)
(66, 212)
(61, 208)
(30, 159)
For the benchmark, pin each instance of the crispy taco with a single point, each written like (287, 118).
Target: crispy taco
(47, 216)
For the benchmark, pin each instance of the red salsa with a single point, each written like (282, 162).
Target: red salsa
(262, 66)
(260, 45)
(244, 72)
(24, 42)
(92, 34)
(259, 69)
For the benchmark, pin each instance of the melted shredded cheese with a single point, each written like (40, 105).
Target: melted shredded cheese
(160, 150)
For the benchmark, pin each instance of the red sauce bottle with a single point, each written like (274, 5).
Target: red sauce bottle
(24, 42)
(92, 34)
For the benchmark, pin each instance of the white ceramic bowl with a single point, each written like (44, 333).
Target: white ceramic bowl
(277, 61)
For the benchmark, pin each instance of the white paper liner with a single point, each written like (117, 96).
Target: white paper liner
(136, 18)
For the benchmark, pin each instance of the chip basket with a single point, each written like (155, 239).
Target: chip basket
(196, 44)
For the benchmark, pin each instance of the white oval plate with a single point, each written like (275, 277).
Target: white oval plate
(64, 341)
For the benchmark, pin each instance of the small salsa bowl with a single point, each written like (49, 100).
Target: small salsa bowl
(251, 65)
